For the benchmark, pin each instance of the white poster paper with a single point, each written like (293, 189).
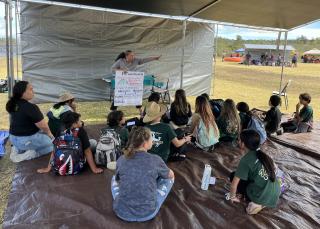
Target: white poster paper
(128, 88)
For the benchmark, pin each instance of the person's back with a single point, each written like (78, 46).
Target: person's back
(272, 120)
(180, 110)
(244, 114)
(138, 184)
(206, 137)
(162, 135)
(179, 119)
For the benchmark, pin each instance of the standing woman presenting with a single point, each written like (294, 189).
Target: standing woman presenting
(126, 61)
(29, 132)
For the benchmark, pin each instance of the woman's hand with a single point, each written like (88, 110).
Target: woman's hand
(171, 174)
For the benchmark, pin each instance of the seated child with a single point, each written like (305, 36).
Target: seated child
(244, 114)
(303, 119)
(203, 125)
(116, 121)
(229, 122)
(73, 124)
(180, 110)
(255, 178)
(142, 181)
(66, 104)
(273, 116)
(162, 134)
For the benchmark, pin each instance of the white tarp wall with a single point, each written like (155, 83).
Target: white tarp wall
(70, 49)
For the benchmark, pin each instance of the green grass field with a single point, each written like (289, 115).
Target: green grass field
(253, 84)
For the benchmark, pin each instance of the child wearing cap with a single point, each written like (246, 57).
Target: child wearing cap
(162, 134)
(66, 104)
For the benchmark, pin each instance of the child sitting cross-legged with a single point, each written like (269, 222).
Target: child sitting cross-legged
(162, 134)
(142, 180)
(229, 122)
(255, 178)
(303, 119)
(203, 125)
(71, 149)
(273, 116)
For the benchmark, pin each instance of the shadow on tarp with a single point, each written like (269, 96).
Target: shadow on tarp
(84, 201)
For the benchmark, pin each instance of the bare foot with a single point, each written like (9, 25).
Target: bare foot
(44, 170)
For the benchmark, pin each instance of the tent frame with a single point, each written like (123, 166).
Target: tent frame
(9, 34)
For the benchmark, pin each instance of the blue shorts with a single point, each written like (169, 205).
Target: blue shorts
(39, 142)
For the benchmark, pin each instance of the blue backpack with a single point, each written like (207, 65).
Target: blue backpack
(257, 125)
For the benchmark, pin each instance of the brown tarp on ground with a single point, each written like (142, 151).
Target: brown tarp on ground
(84, 201)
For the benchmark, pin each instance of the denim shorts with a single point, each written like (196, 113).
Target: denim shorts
(39, 142)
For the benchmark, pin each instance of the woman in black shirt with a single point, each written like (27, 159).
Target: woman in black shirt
(29, 132)
(180, 110)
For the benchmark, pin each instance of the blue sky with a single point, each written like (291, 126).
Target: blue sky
(310, 31)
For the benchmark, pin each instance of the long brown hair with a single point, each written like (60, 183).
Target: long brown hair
(204, 110)
(180, 102)
(230, 115)
(137, 137)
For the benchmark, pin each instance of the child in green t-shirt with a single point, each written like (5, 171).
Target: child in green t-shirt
(303, 118)
(255, 177)
(162, 133)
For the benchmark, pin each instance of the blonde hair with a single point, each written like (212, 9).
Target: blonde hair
(204, 110)
(230, 115)
(137, 137)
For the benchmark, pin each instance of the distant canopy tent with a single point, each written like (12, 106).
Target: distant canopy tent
(313, 52)
(239, 50)
(272, 15)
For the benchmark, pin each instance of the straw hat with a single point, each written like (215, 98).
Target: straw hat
(153, 111)
(65, 97)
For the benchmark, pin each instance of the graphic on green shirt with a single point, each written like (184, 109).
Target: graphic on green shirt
(156, 139)
(162, 135)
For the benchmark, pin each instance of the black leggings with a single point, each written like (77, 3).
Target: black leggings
(242, 186)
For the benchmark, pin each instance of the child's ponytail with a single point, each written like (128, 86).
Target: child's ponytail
(251, 140)
(267, 163)
(137, 137)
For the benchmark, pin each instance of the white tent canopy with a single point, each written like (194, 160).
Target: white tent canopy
(312, 52)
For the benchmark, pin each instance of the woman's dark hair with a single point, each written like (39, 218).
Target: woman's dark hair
(18, 90)
(243, 107)
(275, 100)
(306, 97)
(114, 118)
(206, 96)
(251, 140)
(69, 118)
(180, 102)
(58, 105)
(123, 55)
(154, 97)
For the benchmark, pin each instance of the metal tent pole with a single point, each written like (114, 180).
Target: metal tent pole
(278, 42)
(11, 46)
(184, 28)
(7, 19)
(17, 19)
(284, 59)
(215, 57)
